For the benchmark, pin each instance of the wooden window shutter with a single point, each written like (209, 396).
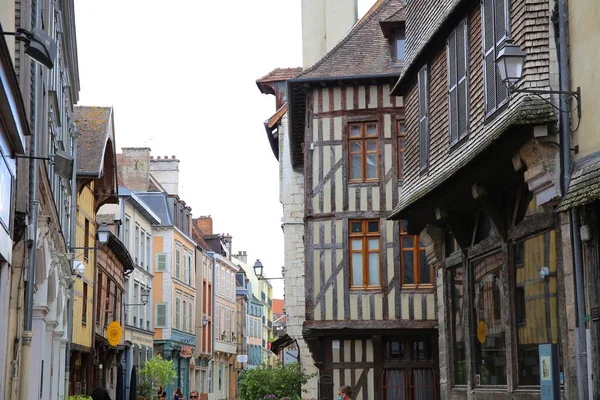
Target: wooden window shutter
(452, 87)
(462, 62)
(500, 35)
(423, 119)
(177, 313)
(161, 316)
(161, 262)
(489, 55)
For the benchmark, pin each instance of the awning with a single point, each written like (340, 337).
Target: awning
(584, 188)
(281, 343)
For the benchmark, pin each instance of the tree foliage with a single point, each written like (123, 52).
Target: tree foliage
(155, 372)
(281, 380)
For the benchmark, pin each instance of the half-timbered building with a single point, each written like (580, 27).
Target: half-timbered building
(370, 305)
(481, 180)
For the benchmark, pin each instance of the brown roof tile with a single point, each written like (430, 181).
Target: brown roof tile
(364, 51)
(93, 124)
(280, 74)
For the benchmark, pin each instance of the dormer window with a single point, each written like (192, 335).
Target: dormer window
(397, 43)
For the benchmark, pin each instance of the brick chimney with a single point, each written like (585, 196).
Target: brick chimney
(242, 256)
(134, 167)
(166, 171)
(205, 224)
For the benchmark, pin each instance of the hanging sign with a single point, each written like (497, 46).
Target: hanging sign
(114, 333)
(481, 332)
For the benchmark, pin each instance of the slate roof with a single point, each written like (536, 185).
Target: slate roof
(94, 128)
(157, 201)
(584, 188)
(364, 51)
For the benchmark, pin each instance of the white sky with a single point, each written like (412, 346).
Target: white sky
(181, 77)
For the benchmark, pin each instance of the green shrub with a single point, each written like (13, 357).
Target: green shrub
(155, 372)
(79, 397)
(281, 380)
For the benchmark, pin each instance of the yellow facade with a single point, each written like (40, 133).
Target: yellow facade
(83, 331)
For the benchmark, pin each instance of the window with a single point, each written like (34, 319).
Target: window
(415, 271)
(84, 304)
(126, 231)
(148, 252)
(191, 321)
(423, 119)
(457, 293)
(161, 262)
(136, 297)
(143, 247)
(490, 343)
(398, 42)
(99, 299)
(184, 316)
(495, 33)
(177, 313)
(456, 47)
(185, 268)
(137, 244)
(161, 315)
(364, 254)
(86, 239)
(363, 148)
(401, 129)
(190, 269)
(178, 262)
(536, 303)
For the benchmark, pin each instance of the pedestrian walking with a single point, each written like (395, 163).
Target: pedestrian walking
(345, 393)
(100, 394)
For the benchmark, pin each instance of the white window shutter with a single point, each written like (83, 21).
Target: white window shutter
(161, 315)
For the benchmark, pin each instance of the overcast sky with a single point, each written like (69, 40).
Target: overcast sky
(181, 78)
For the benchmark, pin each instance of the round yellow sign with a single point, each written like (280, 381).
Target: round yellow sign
(481, 332)
(114, 333)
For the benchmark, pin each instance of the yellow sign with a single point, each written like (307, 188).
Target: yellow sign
(481, 332)
(114, 333)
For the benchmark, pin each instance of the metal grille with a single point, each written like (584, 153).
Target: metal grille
(410, 384)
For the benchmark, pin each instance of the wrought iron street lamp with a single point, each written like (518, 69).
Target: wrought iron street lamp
(510, 62)
(145, 295)
(204, 321)
(258, 271)
(38, 45)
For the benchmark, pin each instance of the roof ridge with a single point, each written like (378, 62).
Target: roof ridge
(374, 10)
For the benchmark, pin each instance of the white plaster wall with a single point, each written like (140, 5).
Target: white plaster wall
(291, 196)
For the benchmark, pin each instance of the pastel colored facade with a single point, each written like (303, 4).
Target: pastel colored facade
(225, 327)
(255, 332)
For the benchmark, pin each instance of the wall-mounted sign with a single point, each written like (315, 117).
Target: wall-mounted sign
(549, 373)
(114, 332)
(186, 352)
(242, 358)
(481, 332)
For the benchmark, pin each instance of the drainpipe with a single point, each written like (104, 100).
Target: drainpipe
(72, 245)
(565, 139)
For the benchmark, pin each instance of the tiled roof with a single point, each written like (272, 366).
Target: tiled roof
(584, 188)
(93, 124)
(197, 236)
(278, 305)
(364, 51)
(280, 74)
(157, 201)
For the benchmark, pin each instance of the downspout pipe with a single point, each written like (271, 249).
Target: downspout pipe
(72, 245)
(34, 202)
(565, 140)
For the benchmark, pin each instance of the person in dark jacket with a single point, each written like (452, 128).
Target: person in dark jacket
(100, 394)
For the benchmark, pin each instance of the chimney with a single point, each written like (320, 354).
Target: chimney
(204, 224)
(133, 166)
(166, 172)
(241, 255)
(324, 25)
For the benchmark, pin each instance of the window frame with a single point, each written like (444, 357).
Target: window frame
(493, 51)
(423, 117)
(401, 147)
(401, 35)
(363, 138)
(416, 251)
(365, 235)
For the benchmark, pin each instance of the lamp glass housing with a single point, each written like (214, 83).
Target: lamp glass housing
(510, 62)
(258, 269)
(204, 321)
(145, 295)
(103, 233)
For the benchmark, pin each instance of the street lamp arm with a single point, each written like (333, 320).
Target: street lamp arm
(568, 96)
(263, 278)
(135, 304)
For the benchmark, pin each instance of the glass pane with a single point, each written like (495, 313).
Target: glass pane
(371, 166)
(356, 226)
(371, 129)
(403, 225)
(373, 244)
(402, 128)
(399, 51)
(490, 346)
(424, 271)
(420, 350)
(536, 303)
(408, 267)
(356, 244)
(374, 269)
(373, 226)
(354, 130)
(357, 269)
(408, 242)
(371, 145)
(396, 350)
(458, 325)
(355, 146)
(356, 162)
